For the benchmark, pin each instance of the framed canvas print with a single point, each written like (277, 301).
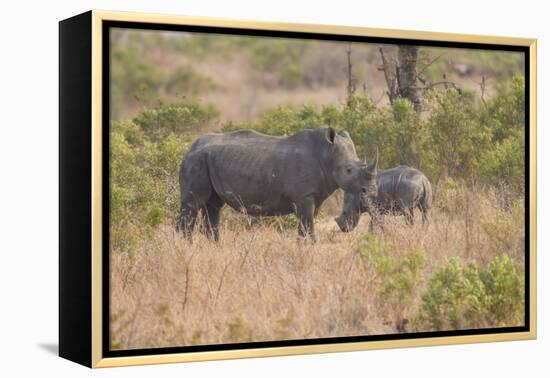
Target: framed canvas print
(236, 189)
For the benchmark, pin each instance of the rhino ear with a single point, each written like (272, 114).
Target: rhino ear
(330, 134)
(344, 134)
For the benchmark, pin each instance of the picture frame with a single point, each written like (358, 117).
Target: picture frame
(84, 119)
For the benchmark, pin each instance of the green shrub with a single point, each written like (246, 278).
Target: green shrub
(505, 231)
(178, 118)
(467, 297)
(503, 165)
(460, 138)
(143, 182)
(505, 112)
(456, 136)
(366, 124)
(398, 275)
(282, 120)
(504, 281)
(360, 118)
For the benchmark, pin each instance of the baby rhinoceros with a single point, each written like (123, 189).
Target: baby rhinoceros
(399, 191)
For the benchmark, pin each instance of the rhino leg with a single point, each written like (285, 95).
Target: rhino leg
(189, 207)
(305, 211)
(409, 215)
(424, 212)
(188, 216)
(425, 202)
(195, 190)
(211, 214)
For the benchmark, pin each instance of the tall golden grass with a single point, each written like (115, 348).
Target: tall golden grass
(261, 283)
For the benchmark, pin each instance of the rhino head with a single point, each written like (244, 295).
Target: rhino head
(350, 174)
(356, 201)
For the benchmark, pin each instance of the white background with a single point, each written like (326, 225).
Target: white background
(29, 189)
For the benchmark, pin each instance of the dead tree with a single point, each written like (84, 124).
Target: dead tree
(405, 80)
(351, 79)
(389, 67)
(406, 74)
(400, 74)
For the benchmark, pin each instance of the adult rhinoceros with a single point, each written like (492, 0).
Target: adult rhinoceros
(268, 175)
(399, 191)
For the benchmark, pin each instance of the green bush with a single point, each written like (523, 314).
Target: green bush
(398, 275)
(456, 136)
(366, 124)
(398, 132)
(461, 138)
(467, 297)
(504, 281)
(145, 155)
(178, 118)
(144, 187)
(359, 117)
(504, 164)
(505, 112)
(505, 231)
(282, 120)
(144, 179)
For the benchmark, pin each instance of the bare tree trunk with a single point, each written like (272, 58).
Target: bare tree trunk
(406, 75)
(401, 75)
(388, 67)
(351, 79)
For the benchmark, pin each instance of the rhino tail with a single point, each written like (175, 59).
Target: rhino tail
(427, 194)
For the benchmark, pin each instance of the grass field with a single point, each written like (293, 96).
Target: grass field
(261, 283)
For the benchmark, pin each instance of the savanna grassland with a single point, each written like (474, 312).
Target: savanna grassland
(260, 282)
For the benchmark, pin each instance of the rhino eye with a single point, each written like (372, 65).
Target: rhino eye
(348, 170)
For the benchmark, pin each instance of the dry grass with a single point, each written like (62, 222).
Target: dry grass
(262, 284)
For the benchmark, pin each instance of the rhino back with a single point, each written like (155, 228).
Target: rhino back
(399, 187)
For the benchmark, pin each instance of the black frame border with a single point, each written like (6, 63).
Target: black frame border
(75, 192)
(105, 117)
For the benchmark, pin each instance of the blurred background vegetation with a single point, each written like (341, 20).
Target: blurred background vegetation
(167, 88)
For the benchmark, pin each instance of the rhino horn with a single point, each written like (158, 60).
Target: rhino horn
(374, 166)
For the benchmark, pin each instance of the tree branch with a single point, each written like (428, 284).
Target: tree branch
(431, 86)
(427, 65)
(390, 79)
(351, 85)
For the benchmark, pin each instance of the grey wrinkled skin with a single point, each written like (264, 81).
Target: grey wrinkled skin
(266, 175)
(399, 191)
